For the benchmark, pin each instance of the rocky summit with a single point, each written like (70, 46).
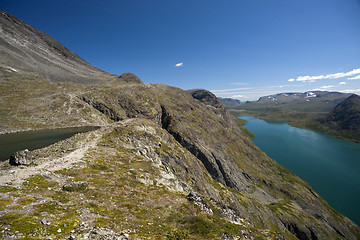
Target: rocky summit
(164, 164)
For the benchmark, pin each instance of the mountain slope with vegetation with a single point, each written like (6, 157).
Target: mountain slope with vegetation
(344, 120)
(164, 164)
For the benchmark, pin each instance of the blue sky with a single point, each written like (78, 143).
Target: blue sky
(236, 48)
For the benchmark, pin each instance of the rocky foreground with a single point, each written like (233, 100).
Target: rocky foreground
(165, 163)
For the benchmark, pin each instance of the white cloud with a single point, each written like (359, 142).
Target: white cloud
(353, 78)
(309, 78)
(329, 76)
(342, 83)
(179, 64)
(326, 87)
(238, 96)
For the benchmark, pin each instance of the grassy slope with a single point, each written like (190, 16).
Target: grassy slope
(127, 189)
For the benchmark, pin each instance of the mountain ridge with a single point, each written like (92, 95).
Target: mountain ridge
(165, 163)
(310, 101)
(25, 48)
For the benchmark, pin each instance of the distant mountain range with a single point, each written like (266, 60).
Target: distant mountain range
(230, 102)
(312, 101)
(334, 113)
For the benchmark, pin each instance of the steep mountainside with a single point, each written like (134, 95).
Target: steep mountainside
(165, 164)
(24, 49)
(347, 114)
(344, 120)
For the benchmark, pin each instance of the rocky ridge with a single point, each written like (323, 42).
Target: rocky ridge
(166, 164)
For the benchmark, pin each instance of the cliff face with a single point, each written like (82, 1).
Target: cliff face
(166, 163)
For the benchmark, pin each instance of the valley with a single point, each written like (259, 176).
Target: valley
(333, 113)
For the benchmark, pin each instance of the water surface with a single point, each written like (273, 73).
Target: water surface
(10, 143)
(330, 165)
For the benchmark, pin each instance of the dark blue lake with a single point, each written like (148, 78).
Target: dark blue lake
(10, 143)
(330, 165)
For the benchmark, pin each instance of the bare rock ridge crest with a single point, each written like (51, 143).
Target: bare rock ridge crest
(165, 163)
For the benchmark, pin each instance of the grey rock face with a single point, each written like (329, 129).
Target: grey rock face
(22, 157)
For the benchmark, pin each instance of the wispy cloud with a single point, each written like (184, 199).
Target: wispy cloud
(229, 90)
(342, 83)
(179, 64)
(329, 76)
(351, 91)
(239, 83)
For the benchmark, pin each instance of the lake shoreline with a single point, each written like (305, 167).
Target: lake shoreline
(21, 130)
(36, 139)
(328, 164)
(309, 125)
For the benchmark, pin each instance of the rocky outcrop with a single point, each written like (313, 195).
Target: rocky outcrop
(206, 97)
(23, 157)
(130, 78)
(198, 200)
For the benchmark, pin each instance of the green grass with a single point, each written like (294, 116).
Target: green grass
(6, 189)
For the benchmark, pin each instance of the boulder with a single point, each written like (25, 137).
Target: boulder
(22, 157)
(75, 186)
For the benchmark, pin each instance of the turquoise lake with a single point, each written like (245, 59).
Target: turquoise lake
(330, 165)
